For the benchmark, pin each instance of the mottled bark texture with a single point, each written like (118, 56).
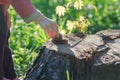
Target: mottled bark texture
(95, 57)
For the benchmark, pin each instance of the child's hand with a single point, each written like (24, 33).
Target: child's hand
(50, 27)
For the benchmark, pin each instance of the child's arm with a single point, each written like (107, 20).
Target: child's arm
(29, 13)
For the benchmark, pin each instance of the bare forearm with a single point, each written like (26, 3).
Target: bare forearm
(23, 7)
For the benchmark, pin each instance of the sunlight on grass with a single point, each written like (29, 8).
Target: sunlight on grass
(68, 75)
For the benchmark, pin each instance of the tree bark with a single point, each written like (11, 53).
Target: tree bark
(94, 57)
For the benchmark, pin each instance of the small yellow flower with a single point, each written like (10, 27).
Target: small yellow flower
(78, 4)
(81, 18)
(60, 10)
(62, 32)
(83, 29)
(77, 24)
(70, 25)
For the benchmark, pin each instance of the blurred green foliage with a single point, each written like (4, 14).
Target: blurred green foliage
(26, 39)
(106, 17)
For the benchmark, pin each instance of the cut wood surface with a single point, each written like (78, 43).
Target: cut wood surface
(84, 57)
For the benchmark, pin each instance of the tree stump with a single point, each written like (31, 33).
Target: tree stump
(94, 57)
